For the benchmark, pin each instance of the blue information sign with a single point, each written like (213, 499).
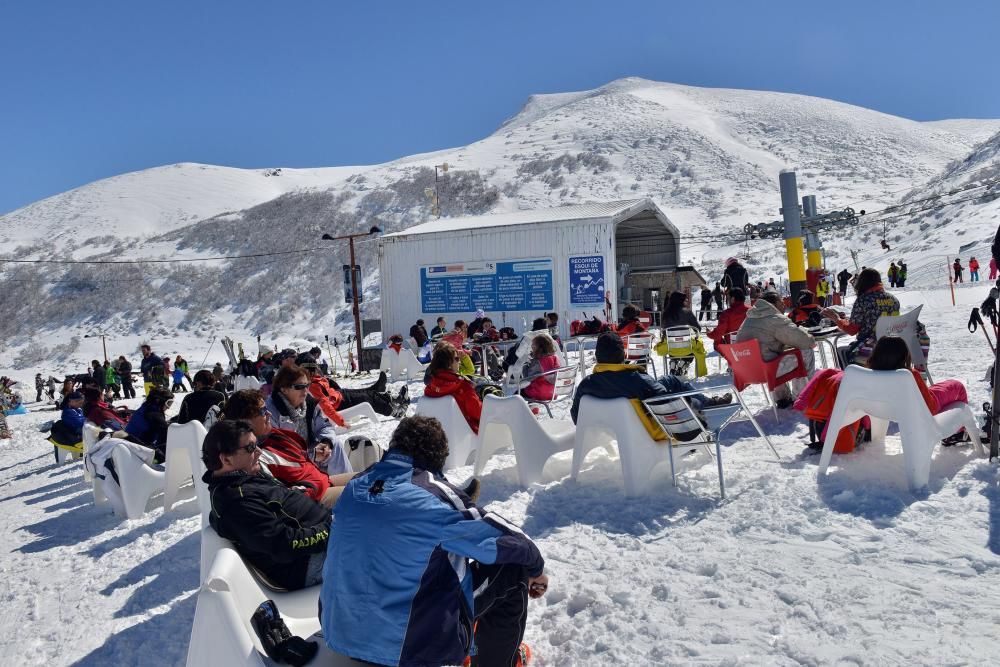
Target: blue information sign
(462, 287)
(586, 281)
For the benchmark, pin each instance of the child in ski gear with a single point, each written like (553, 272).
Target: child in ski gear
(973, 270)
(39, 386)
(178, 375)
(957, 266)
(280, 531)
(444, 577)
(543, 359)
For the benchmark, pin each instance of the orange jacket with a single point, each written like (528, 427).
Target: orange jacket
(329, 399)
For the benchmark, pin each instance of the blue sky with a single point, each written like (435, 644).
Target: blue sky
(94, 89)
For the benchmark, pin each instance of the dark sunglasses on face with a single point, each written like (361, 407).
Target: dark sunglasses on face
(300, 387)
(249, 449)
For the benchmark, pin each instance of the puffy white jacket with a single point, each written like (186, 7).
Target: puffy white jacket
(774, 331)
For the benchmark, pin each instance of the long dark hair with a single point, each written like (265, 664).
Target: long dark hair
(673, 305)
(890, 353)
(867, 279)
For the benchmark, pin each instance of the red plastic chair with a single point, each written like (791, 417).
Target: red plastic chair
(749, 367)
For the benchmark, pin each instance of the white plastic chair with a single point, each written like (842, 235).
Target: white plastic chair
(355, 415)
(639, 347)
(387, 363)
(138, 481)
(905, 327)
(90, 434)
(509, 422)
(462, 442)
(222, 636)
(410, 367)
(564, 382)
(603, 420)
(402, 365)
(680, 341)
(183, 464)
(245, 382)
(894, 396)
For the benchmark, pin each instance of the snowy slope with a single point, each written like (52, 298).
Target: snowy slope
(154, 201)
(708, 157)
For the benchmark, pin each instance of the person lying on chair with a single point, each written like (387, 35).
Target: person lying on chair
(279, 531)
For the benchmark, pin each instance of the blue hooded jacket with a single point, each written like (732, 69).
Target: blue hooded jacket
(397, 589)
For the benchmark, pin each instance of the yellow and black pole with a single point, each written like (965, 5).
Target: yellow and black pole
(814, 247)
(793, 233)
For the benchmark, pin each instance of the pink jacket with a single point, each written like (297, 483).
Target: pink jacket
(542, 389)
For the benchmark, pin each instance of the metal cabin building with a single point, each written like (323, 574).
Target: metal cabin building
(517, 266)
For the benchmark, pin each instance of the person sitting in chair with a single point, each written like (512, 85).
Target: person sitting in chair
(731, 319)
(281, 532)
(630, 324)
(767, 324)
(613, 378)
(444, 380)
(439, 574)
(196, 405)
(286, 454)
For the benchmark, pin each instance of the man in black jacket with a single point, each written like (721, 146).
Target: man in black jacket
(197, 404)
(735, 275)
(280, 531)
(125, 373)
(419, 333)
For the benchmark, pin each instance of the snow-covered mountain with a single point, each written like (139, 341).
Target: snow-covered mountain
(708, 157)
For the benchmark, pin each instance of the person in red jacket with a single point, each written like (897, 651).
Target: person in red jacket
(731, 319)
(630, 323)
(444, 380)
(285, 452)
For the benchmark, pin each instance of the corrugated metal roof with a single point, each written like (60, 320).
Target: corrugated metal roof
(559, 214)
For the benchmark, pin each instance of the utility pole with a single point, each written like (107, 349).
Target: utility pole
(793, 233)
(814, 246)
(355, 277)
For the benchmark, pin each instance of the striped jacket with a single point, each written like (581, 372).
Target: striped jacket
(397, 589)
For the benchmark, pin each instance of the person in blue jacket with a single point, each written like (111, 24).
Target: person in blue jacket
(413, 565)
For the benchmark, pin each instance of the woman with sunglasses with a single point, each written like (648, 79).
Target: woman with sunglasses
(148, 424)
(290, 406)
(286, 454)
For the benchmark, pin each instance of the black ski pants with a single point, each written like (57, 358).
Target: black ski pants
(501, 600)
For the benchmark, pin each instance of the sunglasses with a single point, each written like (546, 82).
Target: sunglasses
(263, 412)
(249, 449)
(300, 387)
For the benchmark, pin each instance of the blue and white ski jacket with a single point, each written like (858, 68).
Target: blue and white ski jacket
(396, 586)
